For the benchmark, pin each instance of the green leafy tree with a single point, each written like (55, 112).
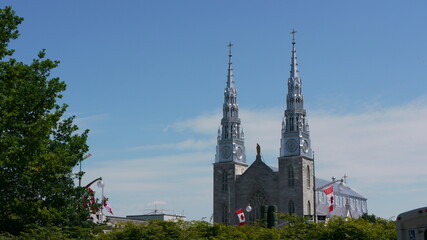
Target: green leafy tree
(38, 146)
(291, 227)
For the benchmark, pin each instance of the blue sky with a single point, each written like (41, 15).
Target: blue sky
(147, 79)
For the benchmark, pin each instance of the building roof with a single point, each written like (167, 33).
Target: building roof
(340, 190)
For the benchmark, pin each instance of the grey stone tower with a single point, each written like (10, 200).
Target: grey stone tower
(296, 163)
(230, 158)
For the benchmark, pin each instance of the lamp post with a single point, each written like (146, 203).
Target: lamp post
(80, 166)
(98, 179)
(101, 185)
(249, 209)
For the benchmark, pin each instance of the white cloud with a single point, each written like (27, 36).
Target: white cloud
(155, 203)
(259, 125)
(196, 144)
(382, 146)
(133, 185)
(204, 124)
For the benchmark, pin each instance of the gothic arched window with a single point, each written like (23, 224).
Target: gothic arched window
(291, 207)
(309, 208)
(291, 177)
(308, 177)
(257, 200)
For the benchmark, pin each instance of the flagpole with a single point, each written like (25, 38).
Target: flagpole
(314, 192)
(102, 205)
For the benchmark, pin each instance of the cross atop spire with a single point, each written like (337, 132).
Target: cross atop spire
(229, 47)
(293, 35)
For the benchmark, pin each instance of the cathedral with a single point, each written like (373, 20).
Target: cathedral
(292, 186)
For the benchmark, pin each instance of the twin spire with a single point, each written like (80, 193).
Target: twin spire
(294, 64)
(230, 131)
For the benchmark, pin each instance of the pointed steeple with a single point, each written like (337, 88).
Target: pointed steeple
(295, 129)
(295, 99)
(230, 75)
(230, 137)
(230, 121)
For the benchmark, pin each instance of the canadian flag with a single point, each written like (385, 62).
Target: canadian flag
(107, 206)
(330, 196)
(241, 217)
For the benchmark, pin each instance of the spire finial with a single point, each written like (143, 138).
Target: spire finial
(230, 80)
(294, 65)
(229, 49)
(293, 36)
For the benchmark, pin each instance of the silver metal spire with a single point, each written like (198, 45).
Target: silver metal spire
(294, 64)
(295, 129)
(230, 75)
(230, 137)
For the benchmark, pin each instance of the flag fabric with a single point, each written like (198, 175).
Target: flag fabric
(241, 217)
(107, 206)
(330, 197)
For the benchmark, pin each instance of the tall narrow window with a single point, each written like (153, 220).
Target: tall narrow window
(308, 177)
(291, 178)
(309, 208)
(224, 217)
(224, 180)
(291, 207)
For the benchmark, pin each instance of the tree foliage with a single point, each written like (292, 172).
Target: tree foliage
(292, 227)
(38, 146)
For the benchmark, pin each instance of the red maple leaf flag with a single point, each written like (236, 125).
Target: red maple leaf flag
(107, 206)
(330, 196)
(241, 217)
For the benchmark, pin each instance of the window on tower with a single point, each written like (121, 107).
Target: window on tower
(291, 207)
(291, 177)
(291, 127)
(224, 217)
(224, 180)
(308, 177)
